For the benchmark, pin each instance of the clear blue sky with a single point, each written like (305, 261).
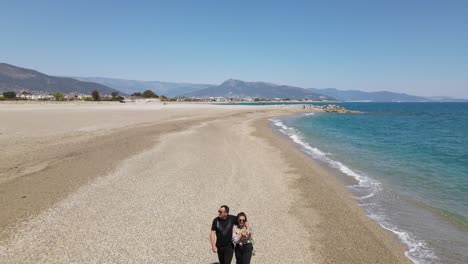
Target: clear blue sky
(417, 47)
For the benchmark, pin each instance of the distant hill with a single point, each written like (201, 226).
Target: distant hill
(238, 89)
(446, 99)
(18, 79)
(13, 78)
(356, 95)
(170, 89)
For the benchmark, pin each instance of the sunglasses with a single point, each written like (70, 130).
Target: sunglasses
(221, 212)
(241, 220)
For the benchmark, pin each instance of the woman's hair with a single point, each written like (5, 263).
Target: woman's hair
(241, 214)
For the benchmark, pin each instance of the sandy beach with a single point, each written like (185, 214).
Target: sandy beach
(141, 183)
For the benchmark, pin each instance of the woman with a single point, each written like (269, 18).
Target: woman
(242, 239)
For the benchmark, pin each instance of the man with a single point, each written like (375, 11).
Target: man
(222, 230)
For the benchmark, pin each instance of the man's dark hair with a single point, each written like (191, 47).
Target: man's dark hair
(241, 214)
(225, 208)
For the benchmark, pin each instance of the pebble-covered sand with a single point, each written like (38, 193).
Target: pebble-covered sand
(156, 205)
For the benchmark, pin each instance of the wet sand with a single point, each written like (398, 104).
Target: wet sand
(141, 184)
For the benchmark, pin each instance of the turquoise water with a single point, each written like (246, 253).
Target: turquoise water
(410, 162)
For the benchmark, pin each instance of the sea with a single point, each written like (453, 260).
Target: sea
(409, 167)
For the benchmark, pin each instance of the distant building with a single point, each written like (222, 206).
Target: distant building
(29, 96)
(139, 99)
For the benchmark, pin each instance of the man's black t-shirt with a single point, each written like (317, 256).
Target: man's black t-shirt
(223, 230)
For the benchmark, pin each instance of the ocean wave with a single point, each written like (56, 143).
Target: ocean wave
(295, 135)
(418, 251)
(366, 188)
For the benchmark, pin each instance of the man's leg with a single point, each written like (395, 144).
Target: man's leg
(221, 255)
(228, 252)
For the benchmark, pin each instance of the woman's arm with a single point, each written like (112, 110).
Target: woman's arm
(236, 235)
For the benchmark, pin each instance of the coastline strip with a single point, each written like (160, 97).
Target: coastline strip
(344, 234)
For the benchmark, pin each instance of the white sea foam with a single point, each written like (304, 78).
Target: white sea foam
(297, 138)
(367, 188)
(365, 196)
(417, 251)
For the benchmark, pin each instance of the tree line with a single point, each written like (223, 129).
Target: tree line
(148, 94)
(95, 96)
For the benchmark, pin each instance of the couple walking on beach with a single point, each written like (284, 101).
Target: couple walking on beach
(231, 234)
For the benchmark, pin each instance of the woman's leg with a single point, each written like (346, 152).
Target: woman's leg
(238, 252)
(247, 253)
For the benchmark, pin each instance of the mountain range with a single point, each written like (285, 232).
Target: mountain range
(238, 88)
(16, 79)
(170, 89)
(230, 88)
(13, 78)
(383, 96)
(242, 89)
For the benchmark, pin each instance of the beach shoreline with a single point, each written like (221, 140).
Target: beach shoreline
(323, 192)
(324, 223)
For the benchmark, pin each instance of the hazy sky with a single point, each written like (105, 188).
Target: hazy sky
(417, 47)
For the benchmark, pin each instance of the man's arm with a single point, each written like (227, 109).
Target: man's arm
(249, 228)
(213, 241)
